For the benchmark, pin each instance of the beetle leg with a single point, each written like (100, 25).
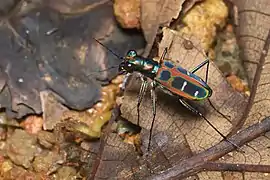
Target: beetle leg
(124, 83)
(154, 106)
(163, 55)
(206, 79)
(143, 89)
(188, 106)
(200, 66)
(207, 71)
(206, 62)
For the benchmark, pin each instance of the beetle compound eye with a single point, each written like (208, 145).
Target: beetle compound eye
(128, 66)
(131, 53)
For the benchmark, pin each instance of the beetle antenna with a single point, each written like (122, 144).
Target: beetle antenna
(112, 67)
(224, 137)
(116, 55)
(192, 109)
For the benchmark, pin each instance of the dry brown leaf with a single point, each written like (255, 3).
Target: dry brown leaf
(178, 134)
(224, 98)
(127, 13)
(153, 14)
(52, 110)
(254, 36)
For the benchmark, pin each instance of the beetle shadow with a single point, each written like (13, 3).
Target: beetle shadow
(174, 104)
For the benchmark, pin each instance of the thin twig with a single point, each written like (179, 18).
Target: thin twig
(254, 86)
(195, 164)
(212, 166)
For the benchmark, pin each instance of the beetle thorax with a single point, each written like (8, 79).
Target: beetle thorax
(147, 67)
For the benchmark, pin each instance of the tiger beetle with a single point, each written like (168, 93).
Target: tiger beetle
(172, 79)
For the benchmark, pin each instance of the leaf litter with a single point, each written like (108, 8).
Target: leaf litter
(178, 134)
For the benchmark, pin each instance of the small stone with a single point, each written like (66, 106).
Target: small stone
(46, 139)
(45, 161)
(21, 148)
(66, 172)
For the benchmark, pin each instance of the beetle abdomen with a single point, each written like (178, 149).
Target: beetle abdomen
(181, 82)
